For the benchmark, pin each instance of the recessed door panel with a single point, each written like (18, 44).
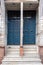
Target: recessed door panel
(29, 29)
(14, 31)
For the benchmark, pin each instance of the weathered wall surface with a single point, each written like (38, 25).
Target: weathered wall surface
(41, 29)
(2, 23)
(2, 30)
(41, 52)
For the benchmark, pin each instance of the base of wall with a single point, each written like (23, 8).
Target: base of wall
(41, 53)
(2, 53)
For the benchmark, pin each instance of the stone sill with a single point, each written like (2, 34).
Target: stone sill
(34, 1)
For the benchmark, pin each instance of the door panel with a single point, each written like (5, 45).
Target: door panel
(14, 31)
(29, 29)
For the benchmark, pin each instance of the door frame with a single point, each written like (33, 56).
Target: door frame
(36, 29)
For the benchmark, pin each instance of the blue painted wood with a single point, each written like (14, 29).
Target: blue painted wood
(29, 30)
(29, 33)
(13, 31)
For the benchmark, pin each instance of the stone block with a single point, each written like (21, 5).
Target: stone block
(2, 53)
(41, 53)
(21, 51)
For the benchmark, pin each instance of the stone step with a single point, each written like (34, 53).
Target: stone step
(25, 47)
(24, 52)
(31, 56)
(28, 49)
(21, 59)
(10, 49)
(25, 55)
(22, 63)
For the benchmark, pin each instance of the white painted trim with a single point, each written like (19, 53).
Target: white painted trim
(37, 26)
(21, 25)
(6, 30)
(21, 30)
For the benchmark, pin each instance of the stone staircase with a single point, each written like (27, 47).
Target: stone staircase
(31, 56)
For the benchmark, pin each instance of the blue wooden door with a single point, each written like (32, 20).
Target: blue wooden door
(29, 29)
(14, 31)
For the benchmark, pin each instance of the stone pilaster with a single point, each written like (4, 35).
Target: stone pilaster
(2, 30)
(40, 29)
(2, 23)
(21, 32)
